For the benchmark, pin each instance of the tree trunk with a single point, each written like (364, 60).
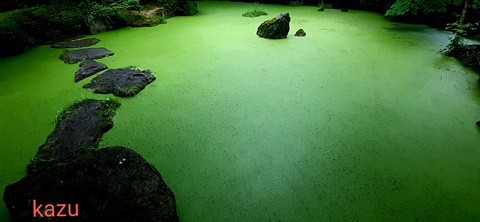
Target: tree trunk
(464, 11)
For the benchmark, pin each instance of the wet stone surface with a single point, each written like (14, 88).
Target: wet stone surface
(79, 128)
(79, 43)
(89, 68)
(109, 184)
(124, 82)
(80, 55)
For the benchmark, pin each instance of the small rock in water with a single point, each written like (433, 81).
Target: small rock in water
(300, 33)
(89, 68)
(124, 82)
(276, 28)
(79, 43)
(344, 10)
(80, 55)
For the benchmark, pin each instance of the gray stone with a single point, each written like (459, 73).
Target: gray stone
(78, 129)
(124, 82)
(89, 68)
(80, 55)
(79, 43)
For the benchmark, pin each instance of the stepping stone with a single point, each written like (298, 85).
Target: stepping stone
(78, 129)
(80, 55)
(89, 68)
(79, 43)
(124, 82)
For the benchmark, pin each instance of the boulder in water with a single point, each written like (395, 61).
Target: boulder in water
(300, 33)
(321, 9)
(344, 10)
(124, 82)
(109, 184)
(89, 68)
(276, 28)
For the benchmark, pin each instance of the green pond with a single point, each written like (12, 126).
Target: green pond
(362, 119)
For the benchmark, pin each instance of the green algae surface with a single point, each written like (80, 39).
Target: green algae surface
(362, 119)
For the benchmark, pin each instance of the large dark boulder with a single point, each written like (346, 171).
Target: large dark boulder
(124, 82)
(80, 55)
(79, 129)
(89, 68)
(276, 28)
(109, 184)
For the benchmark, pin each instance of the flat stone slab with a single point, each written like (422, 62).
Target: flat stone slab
(79, 43)
(89, 68)
(80, 55)
(124, 82)
(109, 184)
(79, 128)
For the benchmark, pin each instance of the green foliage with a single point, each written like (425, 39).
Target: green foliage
(469, 29)
(8, 20)
(416, 7)
(325, 6)
(469, 55)
(186, 8)
(254, 13)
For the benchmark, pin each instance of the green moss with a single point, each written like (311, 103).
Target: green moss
(8, 20)
(254, 13)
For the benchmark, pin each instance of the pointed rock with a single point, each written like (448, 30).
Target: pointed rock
(276, 28)
(300, 33)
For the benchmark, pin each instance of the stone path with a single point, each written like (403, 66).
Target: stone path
(109, 184)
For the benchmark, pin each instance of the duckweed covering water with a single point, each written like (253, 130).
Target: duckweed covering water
(362, 119)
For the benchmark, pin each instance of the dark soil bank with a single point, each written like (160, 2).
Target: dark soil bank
(110, 184)
(80, 55)
(123, 82)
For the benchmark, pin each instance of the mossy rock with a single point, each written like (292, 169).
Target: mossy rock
(276, 28)
(300, 33)
(255, 13)
(79, 128)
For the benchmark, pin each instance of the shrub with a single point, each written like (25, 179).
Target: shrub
(254, 13)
